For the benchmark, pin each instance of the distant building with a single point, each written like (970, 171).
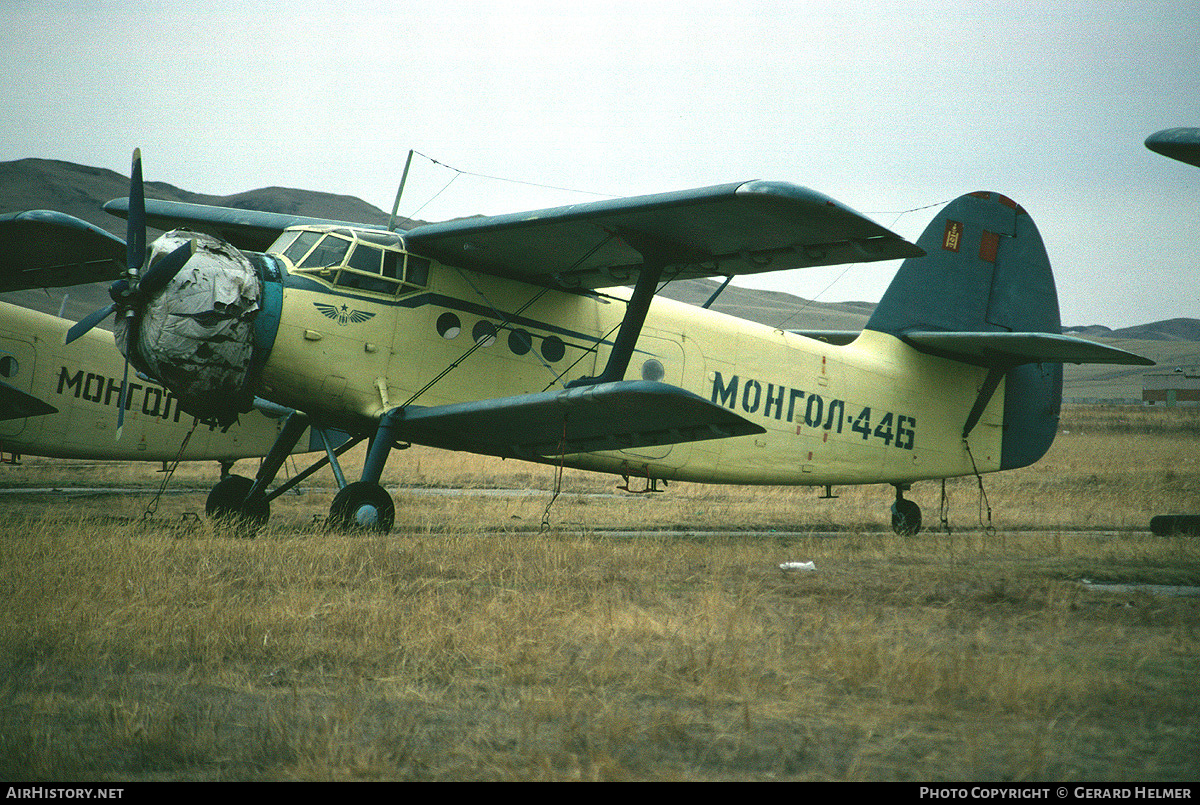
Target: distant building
(1181, 386)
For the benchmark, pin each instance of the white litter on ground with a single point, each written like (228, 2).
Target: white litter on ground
(1155, 589)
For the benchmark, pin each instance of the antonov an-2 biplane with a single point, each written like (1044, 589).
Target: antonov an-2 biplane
(518, 336)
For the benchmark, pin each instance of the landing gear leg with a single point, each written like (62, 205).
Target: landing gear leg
(365, 504)
(906, 515)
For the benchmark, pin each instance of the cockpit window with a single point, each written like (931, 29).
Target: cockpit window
(365, 258)
(379, 237)
(299, 246)
(417, 271)
(371, 260)
(362, 270)
(329, 252)
(285, 239)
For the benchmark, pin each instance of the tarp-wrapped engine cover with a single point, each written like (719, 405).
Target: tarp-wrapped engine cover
(196, 335)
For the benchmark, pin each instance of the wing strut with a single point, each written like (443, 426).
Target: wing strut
(631, 326)
(717, 292)
(657, 254)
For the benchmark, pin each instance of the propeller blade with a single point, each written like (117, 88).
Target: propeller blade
(135, 230)
(162, 272)
(88, 322)
(121, 400)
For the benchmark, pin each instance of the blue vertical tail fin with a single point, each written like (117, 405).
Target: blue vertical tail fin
(985, 270)
(984, 294)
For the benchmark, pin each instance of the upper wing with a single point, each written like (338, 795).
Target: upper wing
(742, 228)
(249, 230)
(45, 249)
(715, 231)
(607, 416)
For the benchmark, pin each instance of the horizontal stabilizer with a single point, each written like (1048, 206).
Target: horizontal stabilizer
(608, 416)
(1013, 349)
(16, 404)
(47, 249)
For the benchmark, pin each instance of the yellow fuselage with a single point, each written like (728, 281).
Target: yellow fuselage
(873, 411)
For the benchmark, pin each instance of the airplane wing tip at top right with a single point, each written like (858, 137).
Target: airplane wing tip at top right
(1182, 144)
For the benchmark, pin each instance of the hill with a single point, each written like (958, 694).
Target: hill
(775, 308)
(47, 184)
(1167, 330)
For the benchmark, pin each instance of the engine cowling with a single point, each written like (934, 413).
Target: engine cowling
(196, 335)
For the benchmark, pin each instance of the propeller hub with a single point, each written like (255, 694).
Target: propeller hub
(120, 291)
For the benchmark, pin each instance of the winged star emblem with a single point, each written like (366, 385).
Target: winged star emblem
(343, 314)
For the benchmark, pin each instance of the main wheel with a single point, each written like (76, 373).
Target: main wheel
(362, 506)
(906, 517)
(227, 504)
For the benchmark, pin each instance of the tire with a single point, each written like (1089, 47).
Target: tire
(1172, 525)
(362, 506)
(227, 505)
(906, 518)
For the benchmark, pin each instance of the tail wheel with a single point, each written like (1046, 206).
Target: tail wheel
(906, 517)
(227, 504)
(362, 506)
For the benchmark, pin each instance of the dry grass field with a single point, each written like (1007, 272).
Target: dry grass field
(639, 637)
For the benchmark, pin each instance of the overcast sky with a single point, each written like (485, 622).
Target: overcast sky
(886, 107)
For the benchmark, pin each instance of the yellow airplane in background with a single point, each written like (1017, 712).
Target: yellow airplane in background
(517, 336)
(61, 400)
